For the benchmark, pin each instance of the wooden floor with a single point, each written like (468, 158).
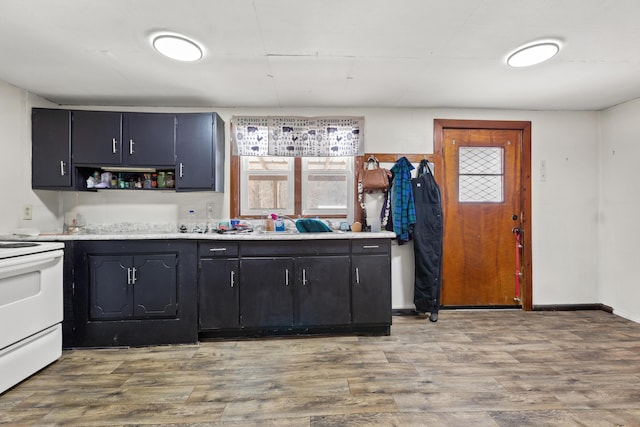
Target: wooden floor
(471, 368)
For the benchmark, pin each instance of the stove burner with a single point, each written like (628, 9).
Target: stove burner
(13, 245)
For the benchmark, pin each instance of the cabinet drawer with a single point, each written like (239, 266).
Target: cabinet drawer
(307, 247)
(217, 249)
(370, 246)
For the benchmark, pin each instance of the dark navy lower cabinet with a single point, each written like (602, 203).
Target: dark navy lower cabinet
(218, 297)
(150, 292)
(134, 293)
(141, 286)
(289, 287)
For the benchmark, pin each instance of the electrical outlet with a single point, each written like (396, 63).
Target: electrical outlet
(27, 212)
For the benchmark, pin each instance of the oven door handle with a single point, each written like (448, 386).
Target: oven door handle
(24, 264)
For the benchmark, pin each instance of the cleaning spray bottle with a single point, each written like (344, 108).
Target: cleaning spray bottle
(279, 222)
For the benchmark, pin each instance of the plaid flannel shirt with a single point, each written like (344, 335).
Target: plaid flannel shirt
(404, 209)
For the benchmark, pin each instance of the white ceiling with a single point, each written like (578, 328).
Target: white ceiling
(324, 53)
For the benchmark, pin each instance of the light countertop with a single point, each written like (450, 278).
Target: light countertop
(206, 236)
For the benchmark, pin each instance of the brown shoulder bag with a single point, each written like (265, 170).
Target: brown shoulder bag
(373, 177)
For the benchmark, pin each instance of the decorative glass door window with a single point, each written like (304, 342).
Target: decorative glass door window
(481, 175)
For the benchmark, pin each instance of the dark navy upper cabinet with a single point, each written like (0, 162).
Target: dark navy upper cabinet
(96, 138)
(51, 149)
(199, 152)
(104, 138)
(70, 145)
(150, 139)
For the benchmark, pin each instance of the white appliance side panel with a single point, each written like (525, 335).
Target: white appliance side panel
(27, 357)
(30, 295)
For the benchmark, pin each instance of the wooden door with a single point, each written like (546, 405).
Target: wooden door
(482, 191)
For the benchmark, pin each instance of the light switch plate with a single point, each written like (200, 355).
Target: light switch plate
(543, 170)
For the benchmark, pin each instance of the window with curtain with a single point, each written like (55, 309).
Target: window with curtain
(300, 186)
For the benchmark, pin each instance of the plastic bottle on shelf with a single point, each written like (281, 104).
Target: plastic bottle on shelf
(191, 220)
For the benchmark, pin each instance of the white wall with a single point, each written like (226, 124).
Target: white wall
(619, 234)
(565, 207)
(15, 149)
(564, 260)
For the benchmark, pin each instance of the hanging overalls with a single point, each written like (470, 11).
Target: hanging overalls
(427, 241)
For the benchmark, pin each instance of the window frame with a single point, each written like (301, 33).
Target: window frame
(269, 175)
(235, 185)
(329, 175)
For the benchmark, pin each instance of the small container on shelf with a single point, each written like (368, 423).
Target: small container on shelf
(170, 180)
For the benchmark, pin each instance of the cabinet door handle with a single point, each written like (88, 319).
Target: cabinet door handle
(357, 275)
(114, 145)
(370, 247)
(128, 276)
(286, 277)
(233, 278)
(304, 277)
(62, 166)
(181, 171)
(217, 249)
(133, 276)
(131, 143)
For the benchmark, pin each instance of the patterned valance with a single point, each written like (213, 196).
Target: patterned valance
(297, 136)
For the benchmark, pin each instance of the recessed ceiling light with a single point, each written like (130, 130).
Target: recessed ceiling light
(177, 47)
(533, 54)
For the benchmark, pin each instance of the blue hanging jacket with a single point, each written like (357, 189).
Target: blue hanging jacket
(404, 209)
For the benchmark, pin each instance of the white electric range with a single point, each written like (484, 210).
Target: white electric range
(31, 308)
